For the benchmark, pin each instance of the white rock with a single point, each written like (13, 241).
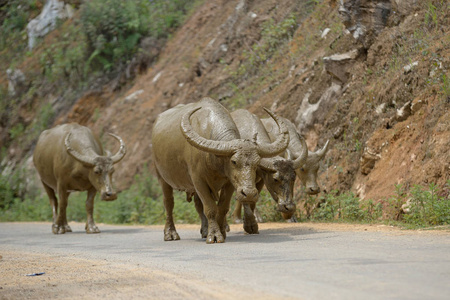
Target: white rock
(46, 21)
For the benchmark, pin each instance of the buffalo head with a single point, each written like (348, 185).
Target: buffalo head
(280, 177)
(241, 156)
(100, 167)
(308, 173)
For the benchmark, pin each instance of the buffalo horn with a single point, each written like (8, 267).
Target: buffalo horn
(321, 153)
(193, 138)
(303, 155)
(280, 144)
(122, 150)
(78, 156)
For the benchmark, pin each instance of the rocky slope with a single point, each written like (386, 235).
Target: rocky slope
(370, 76)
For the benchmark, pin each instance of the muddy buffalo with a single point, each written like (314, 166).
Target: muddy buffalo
(70, 158)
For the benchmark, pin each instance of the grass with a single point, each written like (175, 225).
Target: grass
(142, 203)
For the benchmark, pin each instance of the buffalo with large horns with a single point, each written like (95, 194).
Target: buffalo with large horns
(70, 158)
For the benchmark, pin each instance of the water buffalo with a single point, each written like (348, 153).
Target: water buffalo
(70, 158)
(197, 149)
(308, 172)
(276, 173)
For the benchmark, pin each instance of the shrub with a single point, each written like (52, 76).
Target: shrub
(114, 28)
(427, 207)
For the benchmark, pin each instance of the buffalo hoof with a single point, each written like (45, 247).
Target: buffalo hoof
(58, 229)
(67, 228)
(92, 229)
(293, 219)
(171, 235)
(204, 232)
(215, 238)
(251, 228)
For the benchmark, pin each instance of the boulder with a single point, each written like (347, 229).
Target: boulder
(16, 82)
(310, 114)
(46, 21)
(365, 18)
(339, 65)
(368, 160)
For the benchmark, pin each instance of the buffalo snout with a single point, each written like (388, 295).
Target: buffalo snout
(109, 196)
(247, 195)
(286, 207)
(312, 190)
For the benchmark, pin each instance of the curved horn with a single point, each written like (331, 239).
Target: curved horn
(303, 155)
(193, 138)
(267, 164)
(280, 144)
(122, 150)
(78, 156)
(289, 155)
(321, 153)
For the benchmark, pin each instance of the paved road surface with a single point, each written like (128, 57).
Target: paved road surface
(301, 261)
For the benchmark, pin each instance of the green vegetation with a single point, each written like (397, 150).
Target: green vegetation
(426, 207)
(142, 203)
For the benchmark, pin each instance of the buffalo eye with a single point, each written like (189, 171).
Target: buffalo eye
(301, 169)
(234, 162)
(97, 171)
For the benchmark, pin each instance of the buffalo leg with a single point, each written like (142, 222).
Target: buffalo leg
(224, 206)
(250, 224)
(170, 233)
(199, 208)
(211, 211)
(237, 213)
(53, 201)
(250, 219)
(90, 224)
(59, 226)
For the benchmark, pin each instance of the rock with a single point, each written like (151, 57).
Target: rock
(310, 114)
(408, 68)
(368, 160)
(133, 97)
(325, 32)
(417, 105)
(46, 21)
(380, 108)
(406, 208)
(338, 65)
(404, 112)
(404, 7)
(365, 18)
(16, 82)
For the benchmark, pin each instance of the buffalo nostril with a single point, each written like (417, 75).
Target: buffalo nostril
(242, 192)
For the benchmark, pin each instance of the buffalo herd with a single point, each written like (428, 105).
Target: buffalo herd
(199, 148)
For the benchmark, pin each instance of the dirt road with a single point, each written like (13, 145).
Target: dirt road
(298, 261)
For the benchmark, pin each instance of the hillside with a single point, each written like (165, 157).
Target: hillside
(372, 77)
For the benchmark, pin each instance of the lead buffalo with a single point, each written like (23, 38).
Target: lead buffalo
(70, 158)
(197, 149)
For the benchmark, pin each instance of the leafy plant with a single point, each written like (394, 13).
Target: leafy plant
(427, 207)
